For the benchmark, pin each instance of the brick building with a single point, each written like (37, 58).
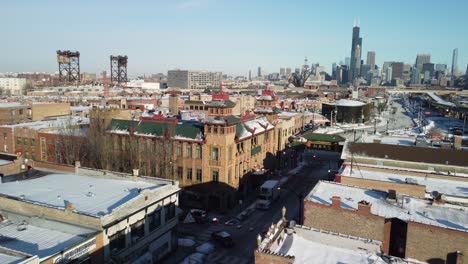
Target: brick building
(16, 112)
(408, 227)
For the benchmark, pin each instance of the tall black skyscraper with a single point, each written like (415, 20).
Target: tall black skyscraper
(356, 50)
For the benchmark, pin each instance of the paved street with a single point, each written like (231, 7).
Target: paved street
(245, 240)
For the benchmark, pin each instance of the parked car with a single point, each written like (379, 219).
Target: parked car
(223, 237)
(232, 222)
(200, 216)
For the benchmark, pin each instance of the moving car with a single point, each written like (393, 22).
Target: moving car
(223, 237)
(200, 216)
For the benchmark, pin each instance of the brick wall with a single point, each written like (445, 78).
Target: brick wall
(265, 258)
(44, 111)
(428, 243)
(334, 218)
(54, 166)
(403, 188)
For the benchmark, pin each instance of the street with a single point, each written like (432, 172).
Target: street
(317, 166)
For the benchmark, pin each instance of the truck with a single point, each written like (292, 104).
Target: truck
(269, 192)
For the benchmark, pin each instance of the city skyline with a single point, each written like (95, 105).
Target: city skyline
(227, 37)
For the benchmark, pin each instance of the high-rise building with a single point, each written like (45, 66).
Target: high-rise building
(356, 48)
(334, 71)
(415, 78)
(288, 71)
(441, 68)
(397, 70)
(388, 74)
(454, 63)
(193, 79)
(259, 71)
(282, 71)
(428, 67)
(421, 59)
(371, 59)
(250, 75)
(347, 61)
(12, 86)
(365, 68)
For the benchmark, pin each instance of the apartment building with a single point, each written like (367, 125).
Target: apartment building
(12, 85)
(17, 112)
(186, 79)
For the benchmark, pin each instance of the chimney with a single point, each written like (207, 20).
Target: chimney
(364, 207)
(336, 201)
(135, 173)
(70, 206)
(77, 164)
(392, 195)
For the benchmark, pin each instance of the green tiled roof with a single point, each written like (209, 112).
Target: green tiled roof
(220, 103)
(194, 102)
(189, 131)
(233, 119)
(323, 137)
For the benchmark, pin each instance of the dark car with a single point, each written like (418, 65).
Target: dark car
(223, 237)
(200, 216)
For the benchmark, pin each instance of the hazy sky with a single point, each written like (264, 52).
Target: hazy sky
(232, 36)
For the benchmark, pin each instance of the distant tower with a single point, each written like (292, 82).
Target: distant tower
(250, 75)
(421, 59)
(106, 84)
(454, 63)
(69, 66)
(259, 71)
(356, 48)
(118, 69)
(371, 59)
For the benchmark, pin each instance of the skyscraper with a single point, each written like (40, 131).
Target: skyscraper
(397, 70)
(356, 48)
(288, 71)
(421, 59)
(371, 59)
(259, 71)
(454, 63)
(415, 78)
(282, 71)
(347, 61)
(334, 71)
(250, 75)
(441, 68)
(428, 67)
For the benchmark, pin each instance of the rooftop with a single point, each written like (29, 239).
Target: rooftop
(323, 137)
(53, 123)
(307, 245)
(93, 196)
(449, 187)
(408, 209)
(35, 240)
(13, 104)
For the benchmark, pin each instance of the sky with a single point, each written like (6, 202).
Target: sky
(232, 36)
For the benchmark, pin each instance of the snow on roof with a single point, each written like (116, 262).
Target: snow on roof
(391, 140)
(36, 240)
(448, 187)
(4, 162)
(409, 209)
(77, 132)
(313, 246)
(80, 108)
(90, 195)
(13, 104)
(53, 123)
(346, 102)
(288, 114)
(11, 259)
(255, 127)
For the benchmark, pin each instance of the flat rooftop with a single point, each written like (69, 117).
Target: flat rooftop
(34, 240)
(95, 196)
(408, 209)
(13, 104)
(307, 244)
(53, 123)
(449, 187)
(11, 259)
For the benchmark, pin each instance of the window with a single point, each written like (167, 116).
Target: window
(33, 142)
(169, 211)
(5, 136)
(13, 112)
(266, 137)
(33, 155)
(179, 150)
(117, 241)
(25, 140)
(189, 151)
(199, 152)
(20, 111)
(215, 153)
(199, 175)
(19, 141)
(189, 174)
(26, 154)
(215, 176)
(179, 172)
(230, 152)
(229, 175)
(137, 231)
(154, 220)
(43, 149)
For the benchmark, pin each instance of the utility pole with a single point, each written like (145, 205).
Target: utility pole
(375, 125)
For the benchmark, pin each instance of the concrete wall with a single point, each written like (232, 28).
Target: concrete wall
(402, 188)
(265, 258)
(433, 244)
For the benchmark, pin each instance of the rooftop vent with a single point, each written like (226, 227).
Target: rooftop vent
(411, 181)
(392, 195)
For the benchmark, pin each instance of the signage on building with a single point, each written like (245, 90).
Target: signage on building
(77, 252)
